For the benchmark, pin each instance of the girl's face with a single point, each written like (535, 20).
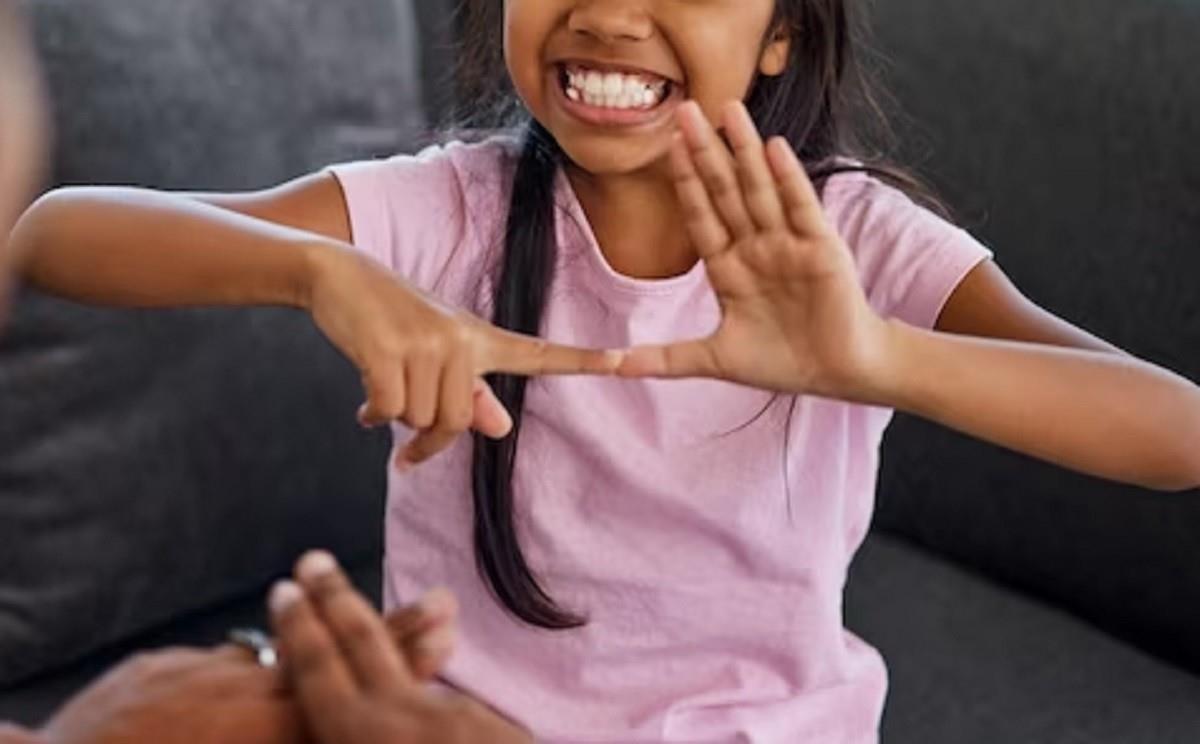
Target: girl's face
(605, 76)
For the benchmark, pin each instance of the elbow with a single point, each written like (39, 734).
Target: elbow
(23, 237)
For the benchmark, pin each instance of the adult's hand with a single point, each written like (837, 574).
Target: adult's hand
(426, 633)
(354, 685)
(22, 130)
(182, 697)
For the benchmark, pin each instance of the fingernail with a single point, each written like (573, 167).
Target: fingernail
(316, 563)
(404, 464)
(283, 595)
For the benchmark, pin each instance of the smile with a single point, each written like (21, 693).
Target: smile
(613, 90)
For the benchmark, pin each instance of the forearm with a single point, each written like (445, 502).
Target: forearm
(138, 248)
(1109, 415)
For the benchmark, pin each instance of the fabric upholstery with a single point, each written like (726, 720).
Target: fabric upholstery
(1064, 135)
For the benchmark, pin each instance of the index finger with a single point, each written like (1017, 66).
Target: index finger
(313, 661)
(518, 354)
(353, 624)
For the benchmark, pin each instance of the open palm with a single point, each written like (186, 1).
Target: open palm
(794, 317)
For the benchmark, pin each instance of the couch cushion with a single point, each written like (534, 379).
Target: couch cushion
(1065, 134)
(155, 463)
(971, 661)
(229, 95)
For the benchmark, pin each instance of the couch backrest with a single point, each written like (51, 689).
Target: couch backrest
(1065, 133)
(156, 463)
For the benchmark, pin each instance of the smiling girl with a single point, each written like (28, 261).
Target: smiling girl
(659, 559)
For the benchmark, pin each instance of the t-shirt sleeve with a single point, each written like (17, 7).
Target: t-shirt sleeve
(406, 212)
(909, 259)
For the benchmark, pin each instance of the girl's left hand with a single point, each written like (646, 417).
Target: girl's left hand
(794, 317)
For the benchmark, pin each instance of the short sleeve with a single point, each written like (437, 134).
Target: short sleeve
(407, 212)
(909, 259)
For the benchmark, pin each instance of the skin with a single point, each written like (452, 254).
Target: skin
(23, 134)
(219, 696)
(795, 319)
(622, 177)
(355, 687)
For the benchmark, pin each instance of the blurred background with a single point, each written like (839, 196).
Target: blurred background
(157, 470)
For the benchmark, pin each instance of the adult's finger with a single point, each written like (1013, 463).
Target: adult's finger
(716, 168)
(353, 624)
(313, 660)
(517, 354)
(426, 632)
(758, 182)
(686, 359)
(242, 674)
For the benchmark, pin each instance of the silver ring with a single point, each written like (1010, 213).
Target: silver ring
(258, 643)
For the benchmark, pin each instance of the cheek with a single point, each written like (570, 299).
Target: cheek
(524, 36)
(722, 59)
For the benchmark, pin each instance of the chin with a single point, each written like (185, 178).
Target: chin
(607, 156)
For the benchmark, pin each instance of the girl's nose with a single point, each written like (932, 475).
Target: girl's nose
(612, 21)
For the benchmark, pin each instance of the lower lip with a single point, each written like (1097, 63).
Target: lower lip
(612, 117)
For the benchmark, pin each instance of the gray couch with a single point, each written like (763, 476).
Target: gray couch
(157, 470)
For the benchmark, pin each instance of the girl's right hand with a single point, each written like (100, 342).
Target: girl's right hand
(422, 363)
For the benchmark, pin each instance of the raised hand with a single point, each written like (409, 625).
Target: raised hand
(794, 317)
(421, 362)
(354, 685)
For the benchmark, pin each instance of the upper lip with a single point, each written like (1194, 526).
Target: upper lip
(627, 68)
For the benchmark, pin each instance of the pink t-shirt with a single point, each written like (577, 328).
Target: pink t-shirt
(659, 509)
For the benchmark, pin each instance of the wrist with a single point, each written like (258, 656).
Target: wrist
(320, 260)
(886, 381)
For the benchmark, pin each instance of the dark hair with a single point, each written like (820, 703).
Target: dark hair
(824, 104)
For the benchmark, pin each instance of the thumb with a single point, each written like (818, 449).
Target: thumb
(686, 359)
(490, 417)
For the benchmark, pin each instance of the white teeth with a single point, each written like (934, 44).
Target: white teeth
(614, 90)
(594, 83)
(613, 83)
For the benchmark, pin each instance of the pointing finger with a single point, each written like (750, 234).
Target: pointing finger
(516, 354)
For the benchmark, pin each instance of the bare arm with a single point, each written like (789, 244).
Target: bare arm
(134, 247)
(1049, 388)
(1107, 414)
(422, 363)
